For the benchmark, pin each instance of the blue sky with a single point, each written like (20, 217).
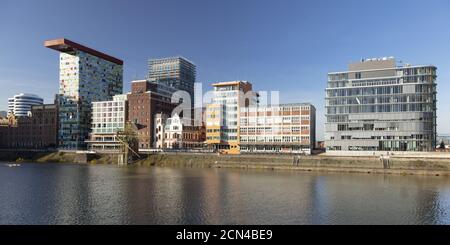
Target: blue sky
(277, 45)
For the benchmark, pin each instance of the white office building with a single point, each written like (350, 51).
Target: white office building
(108, 118)
(20, 104)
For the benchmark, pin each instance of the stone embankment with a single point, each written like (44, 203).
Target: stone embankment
(56, 157)
(393, 165)
(349, 164)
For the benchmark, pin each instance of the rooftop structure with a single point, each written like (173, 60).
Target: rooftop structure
(66, 46)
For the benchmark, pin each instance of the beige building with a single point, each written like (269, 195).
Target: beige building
(286, 128)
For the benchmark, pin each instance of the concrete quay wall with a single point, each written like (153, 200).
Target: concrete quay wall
(348, 164)
(398, 165)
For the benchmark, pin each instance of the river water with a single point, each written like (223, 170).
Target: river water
(102, 194)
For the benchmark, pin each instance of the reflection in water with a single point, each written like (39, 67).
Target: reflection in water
(87, 194)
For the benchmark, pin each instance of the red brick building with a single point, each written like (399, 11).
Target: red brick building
(145, 100)
(39, 131)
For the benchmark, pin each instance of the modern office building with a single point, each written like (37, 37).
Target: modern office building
(108, 118)
(380, 105)
(20, 104)
(38, 130)
(85, 76)
(176, 72)
(174, 133)
(284, 128)
(145, 100)
(223, 114)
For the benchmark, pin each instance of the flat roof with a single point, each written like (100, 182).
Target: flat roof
(139, 81)
(179, 57)
(65, 45)
(230, 83)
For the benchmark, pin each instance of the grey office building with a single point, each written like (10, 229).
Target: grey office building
(380, 105)
(176, 72)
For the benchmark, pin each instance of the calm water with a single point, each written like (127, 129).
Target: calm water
(83, 194)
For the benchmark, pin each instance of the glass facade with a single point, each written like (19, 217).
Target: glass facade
(386, 108)
(176, 72)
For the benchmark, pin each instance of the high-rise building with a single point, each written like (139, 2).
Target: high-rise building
(20, 104)
(176, 72)
(223, 117)
(85, 76)
(284, 128)
(379, 105)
